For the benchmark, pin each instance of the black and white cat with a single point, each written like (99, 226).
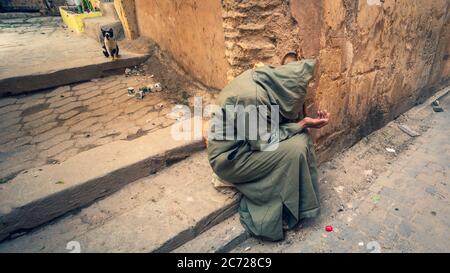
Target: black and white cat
(110, 46)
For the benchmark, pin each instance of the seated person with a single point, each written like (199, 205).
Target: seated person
(277, 175)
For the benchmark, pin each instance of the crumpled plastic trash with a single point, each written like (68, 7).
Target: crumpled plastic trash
(436, 106)
(131, 92)
(390, 150)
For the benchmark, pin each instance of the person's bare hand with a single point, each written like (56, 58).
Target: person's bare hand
(323, 118)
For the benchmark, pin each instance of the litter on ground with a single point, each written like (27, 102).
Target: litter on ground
(408, 131)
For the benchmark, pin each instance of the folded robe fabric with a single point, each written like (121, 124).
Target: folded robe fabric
(277, 184)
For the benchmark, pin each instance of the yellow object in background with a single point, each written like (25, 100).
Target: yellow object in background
(75, 20)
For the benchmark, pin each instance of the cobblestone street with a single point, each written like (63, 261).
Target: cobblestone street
(36, 45)
(406, 208)
(49, 127)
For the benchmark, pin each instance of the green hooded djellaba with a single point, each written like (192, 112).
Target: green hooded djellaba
(275, 172)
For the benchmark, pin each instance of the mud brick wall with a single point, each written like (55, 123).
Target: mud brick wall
(126, 10)
(257, 31)
(376, 58)
(191, 31)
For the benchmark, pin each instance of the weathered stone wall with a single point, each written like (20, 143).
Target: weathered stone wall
(376, 60)
(191, 31)
(257, 31)
(126, 11)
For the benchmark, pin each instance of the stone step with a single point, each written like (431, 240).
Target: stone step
(108, 10)
(158, 213)
(221, 238)
(25, 15)
(40, 195)
(109, 19)
(69, 72)
(93, 27)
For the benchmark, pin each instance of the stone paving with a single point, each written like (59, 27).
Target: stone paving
(49, 127)
(27, 24)
(33, 45)
(405, 209)
(40, 45)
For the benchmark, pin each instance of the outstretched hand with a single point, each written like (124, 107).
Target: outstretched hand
(323, 118)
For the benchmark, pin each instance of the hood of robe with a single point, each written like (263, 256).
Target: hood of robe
(286, 85)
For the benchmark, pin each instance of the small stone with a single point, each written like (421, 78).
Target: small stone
(52, 161)
(339, 189)
(408, 130)
(390, 150)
